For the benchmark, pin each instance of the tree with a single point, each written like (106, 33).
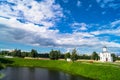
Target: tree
(24, 54)
(54, 54)
(114, 57)
(84, 56)
(16, 53)
(95, 56)
(33, 53)
(1, 66)
(74, 55)
(4, 52)
(67, 55)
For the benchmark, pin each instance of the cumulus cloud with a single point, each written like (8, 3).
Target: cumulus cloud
(109, 4)
(114, 32)
(32, 34)
(79, 26)
(29, 33)
(115, 23)
(26, 33)
(112, 28)
(44, 13)
(29, 22)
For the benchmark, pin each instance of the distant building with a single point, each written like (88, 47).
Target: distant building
(105, 56)
(68, 59)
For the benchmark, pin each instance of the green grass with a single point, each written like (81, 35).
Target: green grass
(99, 71)
(1, 76)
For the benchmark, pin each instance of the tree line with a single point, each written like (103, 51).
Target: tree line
(19, 53)
(53, 55)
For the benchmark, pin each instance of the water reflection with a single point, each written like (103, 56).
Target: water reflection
(23, 73)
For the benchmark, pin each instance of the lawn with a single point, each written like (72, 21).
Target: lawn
(95, 70)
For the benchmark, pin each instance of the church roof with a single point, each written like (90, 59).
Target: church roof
(104, 47)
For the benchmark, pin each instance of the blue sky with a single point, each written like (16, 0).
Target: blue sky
(86, 25)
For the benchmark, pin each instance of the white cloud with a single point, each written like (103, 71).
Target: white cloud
(46, 14)
(114, 28)
(117, 22)
(41, 13)
(110, 44)
(108, 4)
(114, 32)
(65, 1)
(78, 3)
(79, 26)
(28, 33)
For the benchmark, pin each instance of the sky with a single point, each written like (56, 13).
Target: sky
(86, 25)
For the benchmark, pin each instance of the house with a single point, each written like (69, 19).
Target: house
(105, 56)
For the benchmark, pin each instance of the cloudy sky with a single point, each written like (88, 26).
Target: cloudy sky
(86, 25)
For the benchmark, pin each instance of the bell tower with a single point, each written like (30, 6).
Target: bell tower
(104, 49)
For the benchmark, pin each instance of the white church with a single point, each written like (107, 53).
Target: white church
(105, 56)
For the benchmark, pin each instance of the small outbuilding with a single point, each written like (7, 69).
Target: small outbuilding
(68, 59)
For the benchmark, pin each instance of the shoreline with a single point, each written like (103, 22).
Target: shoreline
(97, 71)
(2, 75)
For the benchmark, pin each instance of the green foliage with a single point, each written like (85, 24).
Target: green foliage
(97, 71)
(95, 56)
(2, 75)
(74, 56)
(15, 53)
(67, 55)
(25, 54)
(33, 53)
(1, 66)
(43, 55)
(88, 57)
(114, 57)
(54, 54)
(4, 52)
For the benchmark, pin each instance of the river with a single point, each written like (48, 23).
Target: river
(25, 73)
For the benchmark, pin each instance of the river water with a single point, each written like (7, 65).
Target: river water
(25, 73)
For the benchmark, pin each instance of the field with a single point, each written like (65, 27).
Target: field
(94, 70)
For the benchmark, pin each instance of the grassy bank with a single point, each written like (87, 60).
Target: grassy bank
(99, 71)
(1, 67)
(2, 75)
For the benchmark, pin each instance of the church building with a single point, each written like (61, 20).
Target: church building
(105, 56)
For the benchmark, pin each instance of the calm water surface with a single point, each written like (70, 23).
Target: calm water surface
(23, 73)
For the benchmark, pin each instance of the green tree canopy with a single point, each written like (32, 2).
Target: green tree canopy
(74, 55)
(67, 55)
(33, 53)
(94, 56)
(16, 53)
(54, 54)
(114, 57)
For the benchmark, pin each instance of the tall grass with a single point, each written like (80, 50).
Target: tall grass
(99, 71)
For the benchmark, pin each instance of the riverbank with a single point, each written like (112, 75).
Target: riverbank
(1, 75)
(99, 71)
(1, 67)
